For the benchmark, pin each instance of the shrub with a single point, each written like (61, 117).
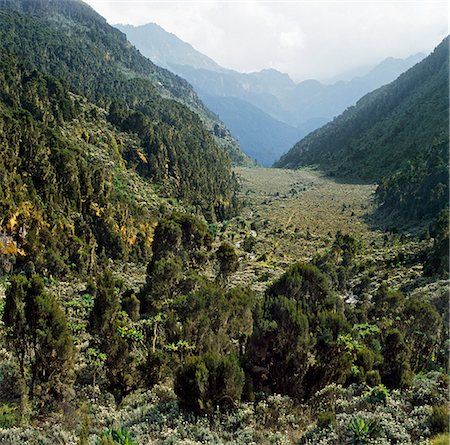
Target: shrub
(378, 394)
(439, 419)
(8, 416)
(325, 419)
(442, 439)
(120, 436)
(359, 432)
(209, 381)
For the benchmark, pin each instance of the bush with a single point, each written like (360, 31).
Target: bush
(439, 419)
(8, 416)
(325, 419)
(442, 439)
(378, 394)
(120, 436)
(359, 432)
(209, 381)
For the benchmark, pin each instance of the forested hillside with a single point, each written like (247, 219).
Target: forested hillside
(386, 128)
(71, 41)
(151, 294)
(266, 110)
(84, 152)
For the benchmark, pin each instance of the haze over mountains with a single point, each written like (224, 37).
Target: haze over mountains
(267, 111)
(396, 136)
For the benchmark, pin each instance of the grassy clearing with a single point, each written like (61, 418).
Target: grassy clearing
(294, 215)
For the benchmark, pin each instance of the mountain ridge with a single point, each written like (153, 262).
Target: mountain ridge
(420, 88)
(300, 105)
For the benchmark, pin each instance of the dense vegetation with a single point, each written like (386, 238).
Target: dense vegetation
(60, 209)
(386, 128)
(225, 346)
(419, 190)
(71, 42)
(266, 111)
(68, 39)
(67, 193)
(121, 320)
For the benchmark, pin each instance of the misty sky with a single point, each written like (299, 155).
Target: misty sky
(306, 39)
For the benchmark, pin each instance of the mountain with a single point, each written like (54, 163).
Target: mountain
(260, 135)
(121, 57)
(97, 141)
(166, 47)
(397, 134)
(305, 105)
(387, 65)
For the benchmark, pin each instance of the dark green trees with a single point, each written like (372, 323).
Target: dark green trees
(294, 349)
(38, 336)
(104, 325)
(180, 247)
(204, 383)
(228, 261)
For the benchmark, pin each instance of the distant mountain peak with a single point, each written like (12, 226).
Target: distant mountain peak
(166, 49)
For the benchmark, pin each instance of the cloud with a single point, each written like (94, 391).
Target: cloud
(303, 38)
(291, 39)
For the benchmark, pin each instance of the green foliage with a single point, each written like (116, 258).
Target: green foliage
(119, 436)
(338, 263)
(298, 330)
(396, 371)
(217, 321)
(228, 261)
(419, 190)
(206, 382)
(131, 305)
(439, 419)
(437, 260)
(38, 337)
(8, 416)
(57, 204)
(112, 337)
(378, 394)
(325, 419)
(386, 128)
(70, 41)
(180, 247)
(359, 432)
(442, 439)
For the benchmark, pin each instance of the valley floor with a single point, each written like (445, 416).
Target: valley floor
(294, 215)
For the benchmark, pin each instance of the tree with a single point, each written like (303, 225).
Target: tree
(38, 336)
(206, 382)
(395, 371)
(228, 261)
(104, 325)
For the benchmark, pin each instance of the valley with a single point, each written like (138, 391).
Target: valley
(294, 215)
(157, 287)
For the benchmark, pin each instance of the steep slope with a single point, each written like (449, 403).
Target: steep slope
(90, 160)
(305, 106)
(72, 42)
(166, 48)
(386, 128)
(419, 190)
(101, 53)
(260, 136)
(66, 194)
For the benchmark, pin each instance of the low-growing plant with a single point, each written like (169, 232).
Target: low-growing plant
(119, 436)
(439, 419)
(378, 394)
(442, 439)
(326, 419)
(359, 432)
(8, 416)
